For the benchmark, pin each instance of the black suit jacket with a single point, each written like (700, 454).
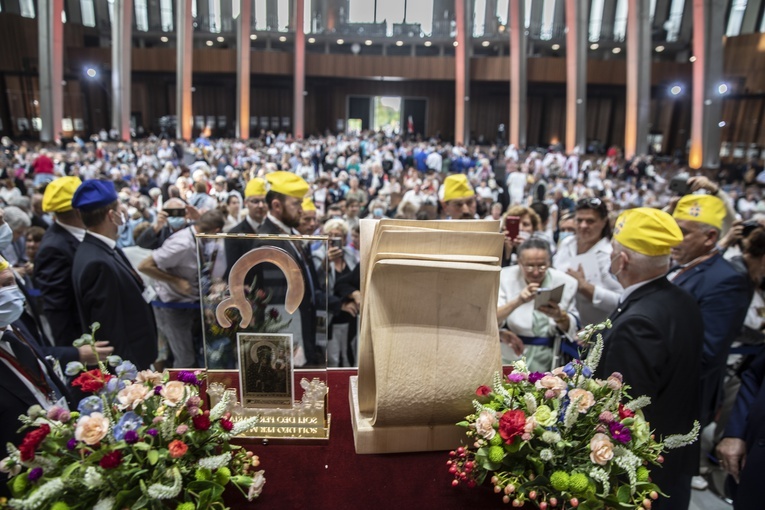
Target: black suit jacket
(307, 308)
(109, 291)
(16, 399)
(53, 276)
(235, 248)
(655, 343)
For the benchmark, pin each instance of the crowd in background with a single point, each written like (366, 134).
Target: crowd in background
(562, 209)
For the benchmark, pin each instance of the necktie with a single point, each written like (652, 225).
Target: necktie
(31, 366)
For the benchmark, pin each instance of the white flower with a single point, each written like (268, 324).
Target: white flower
(10, 466)
(220, 408)
(159, 491)
(216, 462)
(92, 478)
(546, 455)
(104, 504)
(48, 490)
(680, 440)
(484, 424)
(258, 481)
(243, 426)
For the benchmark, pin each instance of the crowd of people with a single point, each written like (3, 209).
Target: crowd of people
(107, 232)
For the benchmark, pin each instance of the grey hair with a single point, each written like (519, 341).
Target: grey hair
(16, 218)
(645, 263)
(535, 243)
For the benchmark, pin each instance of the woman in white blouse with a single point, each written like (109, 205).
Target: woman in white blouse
(586, 256)
(525, 328)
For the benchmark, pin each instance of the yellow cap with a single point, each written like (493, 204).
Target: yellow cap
(648, 231)
(457, 186)
(255, 188)
(58, 194)
(706, 209)
(288, 184)
(4, 264)
(308, 204)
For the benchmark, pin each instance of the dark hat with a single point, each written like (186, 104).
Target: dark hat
(94, 194)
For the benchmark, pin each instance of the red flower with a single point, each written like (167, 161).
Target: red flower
(177, 448)
(273, 313)
(482, 391)
(226, 425)
(32, 440)
(625, 413)
(92, 380)
(511, 424)
(201, 422)
(111, 460)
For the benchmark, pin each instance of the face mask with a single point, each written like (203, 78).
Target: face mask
(123, 227)
(564, 235)
(176, 222)
(6, 236)
(11, 305)
(616, 274)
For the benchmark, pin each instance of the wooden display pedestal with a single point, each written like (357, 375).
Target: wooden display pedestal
(416, 438)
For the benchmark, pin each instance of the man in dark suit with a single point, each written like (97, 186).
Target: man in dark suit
(26, 376)
(255, 200)
(655, 341)
(107, 288)
(742, 450)
(284, 200)
(53, 264)
(723, 294)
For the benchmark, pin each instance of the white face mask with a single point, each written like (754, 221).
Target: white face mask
(6, 236)
(122, 227)
(11, 305)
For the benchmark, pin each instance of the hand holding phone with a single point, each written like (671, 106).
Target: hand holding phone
(512, 226)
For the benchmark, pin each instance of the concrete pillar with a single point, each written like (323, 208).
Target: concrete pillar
(638, 78)
(122, 29)
(577, 22)
(518, 56)
(185, 32)
(491, 24)
(51, 67)
(461, 75)
(706, 103)
(243, 53)
(299, 84)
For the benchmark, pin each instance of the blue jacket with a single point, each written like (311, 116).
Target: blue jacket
(723, 295)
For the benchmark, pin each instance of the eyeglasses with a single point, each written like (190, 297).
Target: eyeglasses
(531, 268)
(589, 203)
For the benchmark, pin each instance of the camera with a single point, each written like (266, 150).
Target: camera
(679, 184)
(749, 227)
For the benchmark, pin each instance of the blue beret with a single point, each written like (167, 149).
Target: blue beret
(93, 194)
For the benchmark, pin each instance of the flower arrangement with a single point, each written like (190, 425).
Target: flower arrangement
(140, 440)
(563, 437)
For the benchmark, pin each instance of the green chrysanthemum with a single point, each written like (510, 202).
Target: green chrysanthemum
(60, 505)
(578, 483)
(203, 475)
(20, 484)
(496, 454)
(223, 475)
(559, 481)
(496, 440)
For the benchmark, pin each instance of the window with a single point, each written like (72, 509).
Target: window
(166, 15)
(737, 10)
(88, 13)
(620, 20)
(283, 16)
(479, 18)
(675, 20)
(215, 21)
(528, 13)
(503, 7)
(548, 17)
(596, 19)
(27, 8)
(141, 16)
(259, 15)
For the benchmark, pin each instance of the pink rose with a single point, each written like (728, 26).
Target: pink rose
(586, 399)
(614, 383)
(601, 449)
(130, 396)
(173, 392)
(484, 425)
(92, 428)
(551, 382)
(149, 376)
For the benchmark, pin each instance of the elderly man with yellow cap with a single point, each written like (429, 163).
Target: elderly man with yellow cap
(255, 201)
(53, 265)
(655, 341)
(458, 200)
(308, 220)
(284, 198)
(722, 292)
